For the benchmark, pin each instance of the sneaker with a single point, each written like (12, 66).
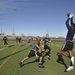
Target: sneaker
(20, 64)
(72, 59)
(70, 68)
(41, 66)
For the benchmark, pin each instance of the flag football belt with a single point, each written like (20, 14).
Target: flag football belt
(35, 52)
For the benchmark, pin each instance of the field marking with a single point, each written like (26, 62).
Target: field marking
(3, 48)
(9, 56)
(6, 47)
(55, 45)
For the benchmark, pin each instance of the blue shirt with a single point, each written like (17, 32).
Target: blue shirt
(71, 32)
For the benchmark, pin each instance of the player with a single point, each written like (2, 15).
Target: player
(35, 48)
(5, 40)
(46, 45)
(68, 45)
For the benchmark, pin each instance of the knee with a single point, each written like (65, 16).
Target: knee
(61, 52)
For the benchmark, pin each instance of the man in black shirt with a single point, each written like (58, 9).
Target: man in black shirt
(46, 45)
(5, 40)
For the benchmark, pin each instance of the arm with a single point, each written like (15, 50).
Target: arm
(67, 23)
(72, 20)
(37, 46)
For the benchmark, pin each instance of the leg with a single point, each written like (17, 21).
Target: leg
(72, 58)
(32, 53)
(49, 51)
(25, 59)
(71, 61)
(62, 52)
(40, 60)
(67, 47)
(70, 52)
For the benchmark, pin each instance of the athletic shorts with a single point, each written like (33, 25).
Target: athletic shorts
(68, 45)
(32, 53)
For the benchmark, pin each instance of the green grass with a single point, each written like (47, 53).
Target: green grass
(12, 55)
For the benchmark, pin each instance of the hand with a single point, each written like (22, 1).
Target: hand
(70, 15)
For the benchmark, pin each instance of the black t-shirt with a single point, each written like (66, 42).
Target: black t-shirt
(46, 41)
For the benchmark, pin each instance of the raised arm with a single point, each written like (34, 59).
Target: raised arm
(72, 20)
(67, 23)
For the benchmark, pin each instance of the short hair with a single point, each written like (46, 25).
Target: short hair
(38, 37)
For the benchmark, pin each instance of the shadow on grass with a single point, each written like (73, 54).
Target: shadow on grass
(10, 45)
(23, 45)
(36, 60)
(61, 60)
(13, 53)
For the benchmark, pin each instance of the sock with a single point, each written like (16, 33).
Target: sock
(71, 64)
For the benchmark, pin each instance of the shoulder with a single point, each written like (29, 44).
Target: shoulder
(37, 41)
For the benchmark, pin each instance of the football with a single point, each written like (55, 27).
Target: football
(68, 14)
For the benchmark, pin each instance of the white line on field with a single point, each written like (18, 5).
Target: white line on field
(6, 47)
(55, 45)
(2, 49)
(59, 46)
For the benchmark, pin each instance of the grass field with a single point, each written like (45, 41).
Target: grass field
(11, 55)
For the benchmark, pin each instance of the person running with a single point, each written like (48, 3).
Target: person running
(5, 40)
(46, 45)
(67, 48)
(35, 49)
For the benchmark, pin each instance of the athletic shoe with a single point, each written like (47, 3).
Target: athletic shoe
(70, 68)
(41, 66)
(20, 64)
(72, 60)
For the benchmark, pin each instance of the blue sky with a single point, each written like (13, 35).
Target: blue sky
(35, 17)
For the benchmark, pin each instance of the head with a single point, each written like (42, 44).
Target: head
(47, 35)
(73, 25)
(38, 38)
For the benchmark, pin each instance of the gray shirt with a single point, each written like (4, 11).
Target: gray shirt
(34, 45)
